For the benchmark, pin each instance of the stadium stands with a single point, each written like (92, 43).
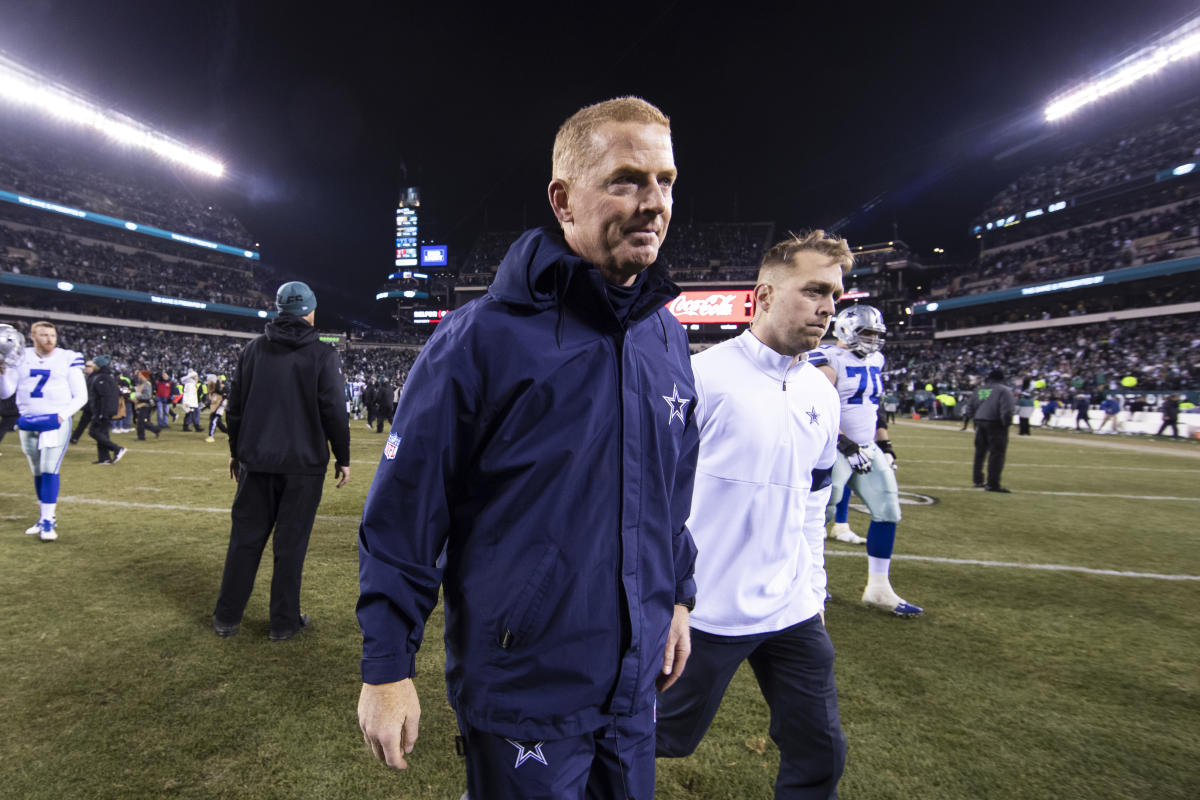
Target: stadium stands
(726, 251)
(723, 251)
(77, 256)
(58, 163)
(1154, 235)
(157, 350)
(1104, 164)
(1157, 351)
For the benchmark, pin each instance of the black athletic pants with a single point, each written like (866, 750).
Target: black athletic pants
(266, 501)
(6, 425)
(794, 669)
(142, 413)
(1173, 424)
(84, 419)
(991, 442)
(105, 449)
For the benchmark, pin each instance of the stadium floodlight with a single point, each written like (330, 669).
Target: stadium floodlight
(23, 87)
(1181, 43)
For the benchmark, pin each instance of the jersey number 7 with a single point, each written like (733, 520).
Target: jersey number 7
(42, 375)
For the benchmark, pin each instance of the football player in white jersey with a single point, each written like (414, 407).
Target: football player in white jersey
(866, 461)
(50, 388)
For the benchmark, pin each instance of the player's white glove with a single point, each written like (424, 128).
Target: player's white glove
(860, 462)
(12, 345)
(886, 447)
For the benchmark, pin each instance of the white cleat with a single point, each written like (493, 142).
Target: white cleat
(48, 530)
(885, 599)
(841, 531)
(34, 529)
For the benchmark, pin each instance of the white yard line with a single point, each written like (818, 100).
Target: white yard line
(1105, 467)
(1072, 439)
(932, 559)
(974, 562)
(373, 461)
(1057, 494)
(95, 501)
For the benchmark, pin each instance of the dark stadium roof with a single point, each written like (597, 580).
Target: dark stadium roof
(801, 117)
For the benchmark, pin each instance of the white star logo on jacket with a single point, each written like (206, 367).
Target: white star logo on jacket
(527, 751)
(677, 405)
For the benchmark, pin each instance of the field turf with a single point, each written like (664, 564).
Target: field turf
(1059, 656)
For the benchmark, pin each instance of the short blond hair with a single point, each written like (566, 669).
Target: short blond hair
(783, 254)
(573, 147)
(42, 324)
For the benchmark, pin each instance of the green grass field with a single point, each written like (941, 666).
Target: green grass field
(1018, 682)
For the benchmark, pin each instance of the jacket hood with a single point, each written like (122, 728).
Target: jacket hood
(291, 331)
(539, 269)
(536, 270)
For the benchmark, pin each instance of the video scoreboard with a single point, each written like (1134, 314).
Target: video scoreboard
(407, 254)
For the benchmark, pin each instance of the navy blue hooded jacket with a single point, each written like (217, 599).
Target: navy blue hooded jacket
(551, 451)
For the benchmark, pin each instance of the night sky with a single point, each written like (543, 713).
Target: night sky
(793, 112)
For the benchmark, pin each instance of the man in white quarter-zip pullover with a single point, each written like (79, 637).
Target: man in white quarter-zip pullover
(768, 425)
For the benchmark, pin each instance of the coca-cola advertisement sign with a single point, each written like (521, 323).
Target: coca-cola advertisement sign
(713, 307)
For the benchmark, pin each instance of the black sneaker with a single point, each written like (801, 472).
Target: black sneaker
(980, 485)
(283, 637)
(223, 630)
(1000, 489)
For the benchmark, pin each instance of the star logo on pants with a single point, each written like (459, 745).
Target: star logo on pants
(677, 404)
(528, 750)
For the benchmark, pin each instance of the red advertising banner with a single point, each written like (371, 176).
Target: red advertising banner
(713, 307)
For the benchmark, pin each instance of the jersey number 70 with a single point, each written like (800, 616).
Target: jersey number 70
(865, 375)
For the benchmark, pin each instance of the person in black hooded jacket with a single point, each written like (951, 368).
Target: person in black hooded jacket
(284, 412)
(105, 394)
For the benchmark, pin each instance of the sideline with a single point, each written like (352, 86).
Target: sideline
(1057, 494)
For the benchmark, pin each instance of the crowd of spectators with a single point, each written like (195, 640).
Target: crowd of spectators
(1105, 162)
(1122, 242)
(1158, 351)
(725, 251)
(135, 349)
(1154, 197)
(417, 334)
(1170, 291)
(54, 254)
(393, 362)
(59, 163)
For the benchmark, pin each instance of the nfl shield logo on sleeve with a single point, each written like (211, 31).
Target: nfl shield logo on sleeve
(393, 444)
